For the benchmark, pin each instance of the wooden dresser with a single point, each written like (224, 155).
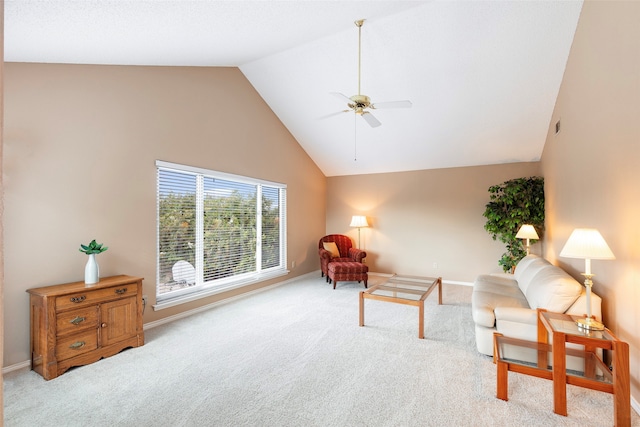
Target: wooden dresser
(74, 324)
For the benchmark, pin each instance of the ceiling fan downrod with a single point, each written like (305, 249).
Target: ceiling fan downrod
(360, 102)
(359, 25)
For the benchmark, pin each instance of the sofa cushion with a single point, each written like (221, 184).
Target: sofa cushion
(526, 269)
(554, 289)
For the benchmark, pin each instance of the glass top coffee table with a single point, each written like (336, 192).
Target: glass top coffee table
(408, 290)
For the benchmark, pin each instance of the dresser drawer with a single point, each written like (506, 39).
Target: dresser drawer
(77, 320)
(91, 297)
(77, 344)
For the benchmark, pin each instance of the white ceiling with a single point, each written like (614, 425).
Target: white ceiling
(483, 76)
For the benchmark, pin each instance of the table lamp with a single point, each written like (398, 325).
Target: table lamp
(527, 232)
(359, 221)
(587, 244)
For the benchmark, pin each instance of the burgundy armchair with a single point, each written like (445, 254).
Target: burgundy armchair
(347, 252)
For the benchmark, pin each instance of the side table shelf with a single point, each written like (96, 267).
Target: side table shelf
(549, 360)
(74, 324)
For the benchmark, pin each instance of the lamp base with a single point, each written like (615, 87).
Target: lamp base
(590, 324)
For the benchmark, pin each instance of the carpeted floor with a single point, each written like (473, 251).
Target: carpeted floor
(294, 355)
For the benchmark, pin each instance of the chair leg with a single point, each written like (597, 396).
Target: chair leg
(365, 284)
(334, 284)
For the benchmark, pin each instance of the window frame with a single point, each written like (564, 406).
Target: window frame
(212, 287)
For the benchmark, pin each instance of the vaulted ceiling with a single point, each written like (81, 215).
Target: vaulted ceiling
(482, 76)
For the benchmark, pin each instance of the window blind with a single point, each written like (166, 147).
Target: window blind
(216, 229)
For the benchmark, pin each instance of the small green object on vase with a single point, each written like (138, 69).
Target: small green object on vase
(92, 270)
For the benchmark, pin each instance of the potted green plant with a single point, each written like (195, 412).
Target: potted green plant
(92, 270)
(513, 203)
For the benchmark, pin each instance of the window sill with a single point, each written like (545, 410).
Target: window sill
(214, 290)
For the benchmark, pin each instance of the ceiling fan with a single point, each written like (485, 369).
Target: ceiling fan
(360, 104)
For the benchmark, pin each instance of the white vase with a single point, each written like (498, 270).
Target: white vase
(91, 271)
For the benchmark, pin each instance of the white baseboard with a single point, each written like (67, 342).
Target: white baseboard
(635, 405)
(16, 366)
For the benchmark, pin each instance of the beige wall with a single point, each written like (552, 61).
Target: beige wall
(423, 218)
(80, 148)
(1, 211)
(591, 167)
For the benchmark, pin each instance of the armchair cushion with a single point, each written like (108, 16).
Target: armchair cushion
(332, 248)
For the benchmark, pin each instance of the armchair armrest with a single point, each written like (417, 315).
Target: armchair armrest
(356, 254)
(324, 254)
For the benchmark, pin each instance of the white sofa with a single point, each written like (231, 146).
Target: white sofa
(507, 303)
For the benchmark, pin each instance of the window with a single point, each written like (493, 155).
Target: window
(216, 231)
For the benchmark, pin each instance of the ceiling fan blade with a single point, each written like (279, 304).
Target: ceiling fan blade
(392, 104)
(333, 114)
(342, 97)
(368, 117)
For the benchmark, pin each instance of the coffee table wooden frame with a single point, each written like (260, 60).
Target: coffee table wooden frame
(396, 285)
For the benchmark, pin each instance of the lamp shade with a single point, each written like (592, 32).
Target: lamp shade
(359, 221)
(586, 243)
(527, 232)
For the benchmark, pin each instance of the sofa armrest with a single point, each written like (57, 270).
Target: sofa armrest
(356, 254)
(579, 308)
(516, 314)
(517, 322)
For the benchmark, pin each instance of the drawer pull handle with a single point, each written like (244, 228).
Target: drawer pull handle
(78, 320)
(121, 291)
(76, 345)
(78, 299)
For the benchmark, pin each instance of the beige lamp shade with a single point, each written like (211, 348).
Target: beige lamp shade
(527, 231)
(586, 243)
(359, 221)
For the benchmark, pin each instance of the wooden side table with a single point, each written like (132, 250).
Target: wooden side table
(532, 358)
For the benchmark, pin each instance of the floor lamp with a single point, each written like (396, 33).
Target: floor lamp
(587, 244)
(359, 221)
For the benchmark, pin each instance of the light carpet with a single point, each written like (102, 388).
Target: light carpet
(294, 355)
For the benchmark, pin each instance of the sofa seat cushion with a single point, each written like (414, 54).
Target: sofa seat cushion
(553, 289)
(490, 292)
